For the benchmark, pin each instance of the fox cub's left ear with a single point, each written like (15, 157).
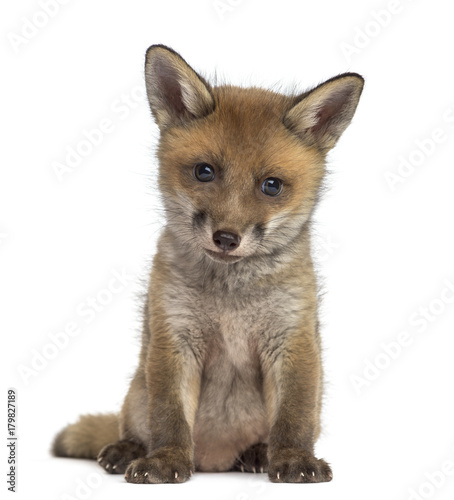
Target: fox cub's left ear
(321, 115)
(176, 93)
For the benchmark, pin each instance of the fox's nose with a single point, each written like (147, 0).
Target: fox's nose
(226, 241)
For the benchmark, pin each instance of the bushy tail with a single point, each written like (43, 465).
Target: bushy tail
(86, 437)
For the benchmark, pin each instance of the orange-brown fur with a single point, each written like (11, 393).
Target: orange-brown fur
(230, 374)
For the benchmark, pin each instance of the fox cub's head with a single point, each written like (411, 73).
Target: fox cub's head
(240, 168)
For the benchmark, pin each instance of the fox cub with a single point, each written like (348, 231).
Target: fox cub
(230, 374)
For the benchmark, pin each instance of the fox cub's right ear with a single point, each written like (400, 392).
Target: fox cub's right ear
(320, 116)
(175, 91)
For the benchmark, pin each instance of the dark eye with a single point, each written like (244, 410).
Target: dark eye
(204, 172)
(272, 186)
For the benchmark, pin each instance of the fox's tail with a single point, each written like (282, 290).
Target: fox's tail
(86, 437)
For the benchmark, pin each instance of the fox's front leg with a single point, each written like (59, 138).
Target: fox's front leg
(293, 382)
(173, 386)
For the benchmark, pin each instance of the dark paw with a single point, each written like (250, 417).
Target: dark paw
(297, 466)
(116, 457)
(254, 459)
(165, 465)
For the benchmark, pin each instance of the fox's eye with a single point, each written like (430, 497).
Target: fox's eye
(272, 186)
(204, 172)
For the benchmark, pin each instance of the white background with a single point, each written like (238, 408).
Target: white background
(383, 253)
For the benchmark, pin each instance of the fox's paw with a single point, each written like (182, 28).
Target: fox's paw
(294, 465)
(254, 459)
(116, 457)
(165, 465)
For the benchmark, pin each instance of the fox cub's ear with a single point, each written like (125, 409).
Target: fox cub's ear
(175, 91)
(320, 116)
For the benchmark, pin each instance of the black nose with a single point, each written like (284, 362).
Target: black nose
(226, 241)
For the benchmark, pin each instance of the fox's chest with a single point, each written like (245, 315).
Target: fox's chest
(235, 337)
(225, 333)
(228, 332)
(231, 326)
(231, 415)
